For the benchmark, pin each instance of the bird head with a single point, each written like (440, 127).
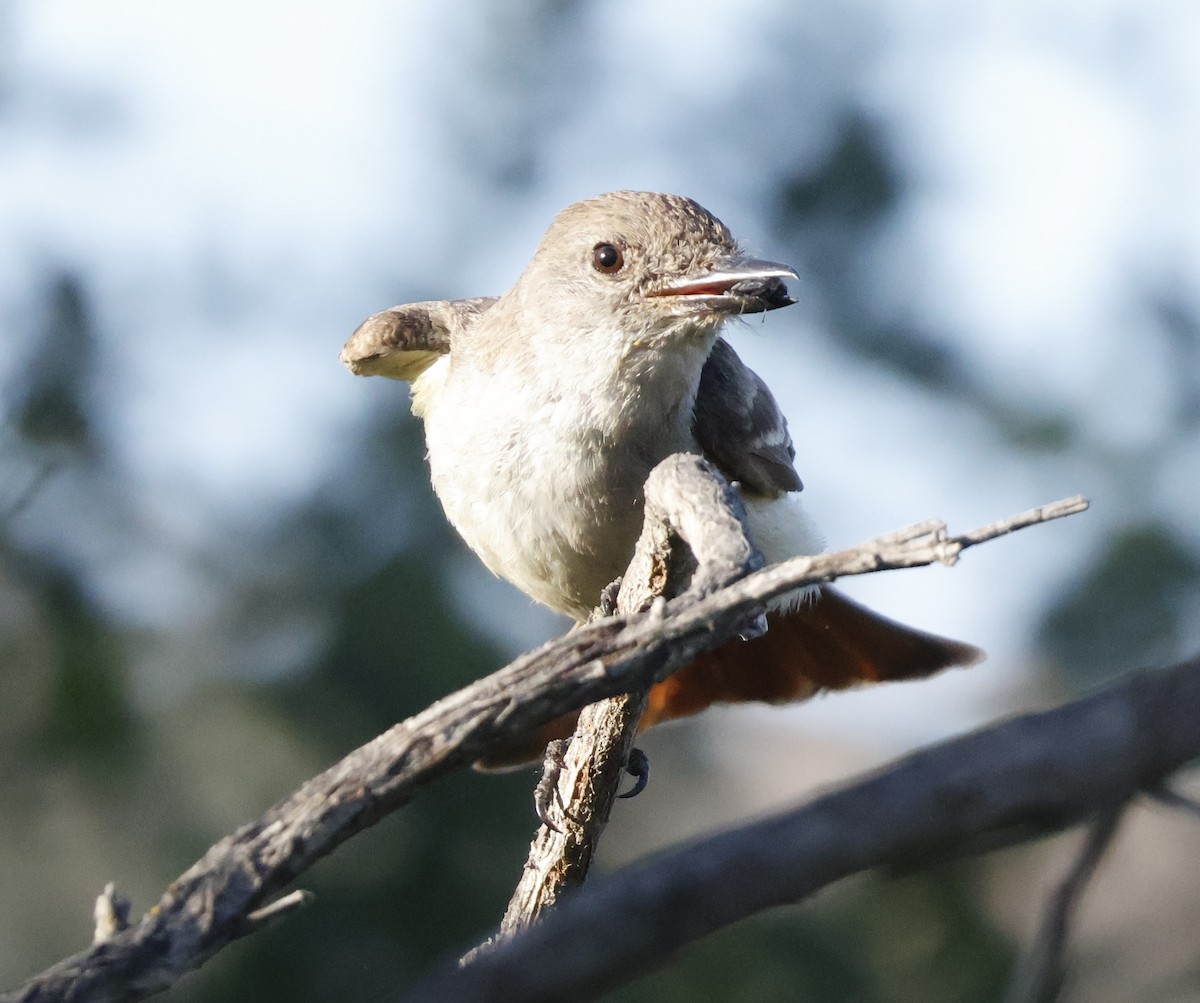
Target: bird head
(649, 264)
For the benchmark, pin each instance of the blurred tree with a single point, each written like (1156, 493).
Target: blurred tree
(831, 212)
(880, 939)
(393, 901)
(1135, 606)
(108, 783)
(52, 402)
(88, 716)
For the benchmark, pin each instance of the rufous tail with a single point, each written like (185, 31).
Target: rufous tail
(829, 643)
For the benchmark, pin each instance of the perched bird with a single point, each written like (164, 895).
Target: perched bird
(545, 410)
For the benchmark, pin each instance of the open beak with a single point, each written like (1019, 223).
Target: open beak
(734, 285)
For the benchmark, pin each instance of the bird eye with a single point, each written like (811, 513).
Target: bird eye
(607, 258)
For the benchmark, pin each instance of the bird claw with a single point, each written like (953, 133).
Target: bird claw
(638, 767)
(546, 794)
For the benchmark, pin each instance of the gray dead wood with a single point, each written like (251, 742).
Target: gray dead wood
(1008, 783)
(230, 891)
(693, 538)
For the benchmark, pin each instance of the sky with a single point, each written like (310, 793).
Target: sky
(241, 184)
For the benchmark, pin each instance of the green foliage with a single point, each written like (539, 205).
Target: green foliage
(89, 714)
(830, 210)
(856, 182)
(52, 408)
(1134, 607)
(873, 939)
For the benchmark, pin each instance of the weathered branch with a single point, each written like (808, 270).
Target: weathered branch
(686, 499)
(1008, 783)
(586, 783)
(208, 906)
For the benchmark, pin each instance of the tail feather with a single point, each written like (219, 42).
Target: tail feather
(827, 643)
(830, 643)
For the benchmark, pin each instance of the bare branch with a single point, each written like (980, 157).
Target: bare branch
(586, 784)
(111, 914)
(207, 906)
(1173, 799)
(1040, 975)
(686, 498)
(1005, 784)
(282, 907)
(1031, 517)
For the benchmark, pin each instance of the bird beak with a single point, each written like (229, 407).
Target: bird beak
(734, 285)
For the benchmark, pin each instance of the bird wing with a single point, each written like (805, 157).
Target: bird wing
(740, 427)
(401, 343)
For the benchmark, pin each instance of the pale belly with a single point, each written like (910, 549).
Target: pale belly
(555, 506)
(556, 513)
(543, 544)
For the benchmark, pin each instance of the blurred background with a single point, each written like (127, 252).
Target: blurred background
(222, 567)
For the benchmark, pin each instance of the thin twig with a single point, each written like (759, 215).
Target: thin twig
(1040, 975)
(1031, 517)
(20, 500)
(1173, 799)
(283, 906)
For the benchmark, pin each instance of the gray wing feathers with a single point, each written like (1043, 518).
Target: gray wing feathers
(401, 343)
(740, 427)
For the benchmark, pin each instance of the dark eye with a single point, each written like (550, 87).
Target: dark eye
(607, 258)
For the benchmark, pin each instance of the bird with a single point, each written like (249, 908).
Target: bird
(546, 408)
